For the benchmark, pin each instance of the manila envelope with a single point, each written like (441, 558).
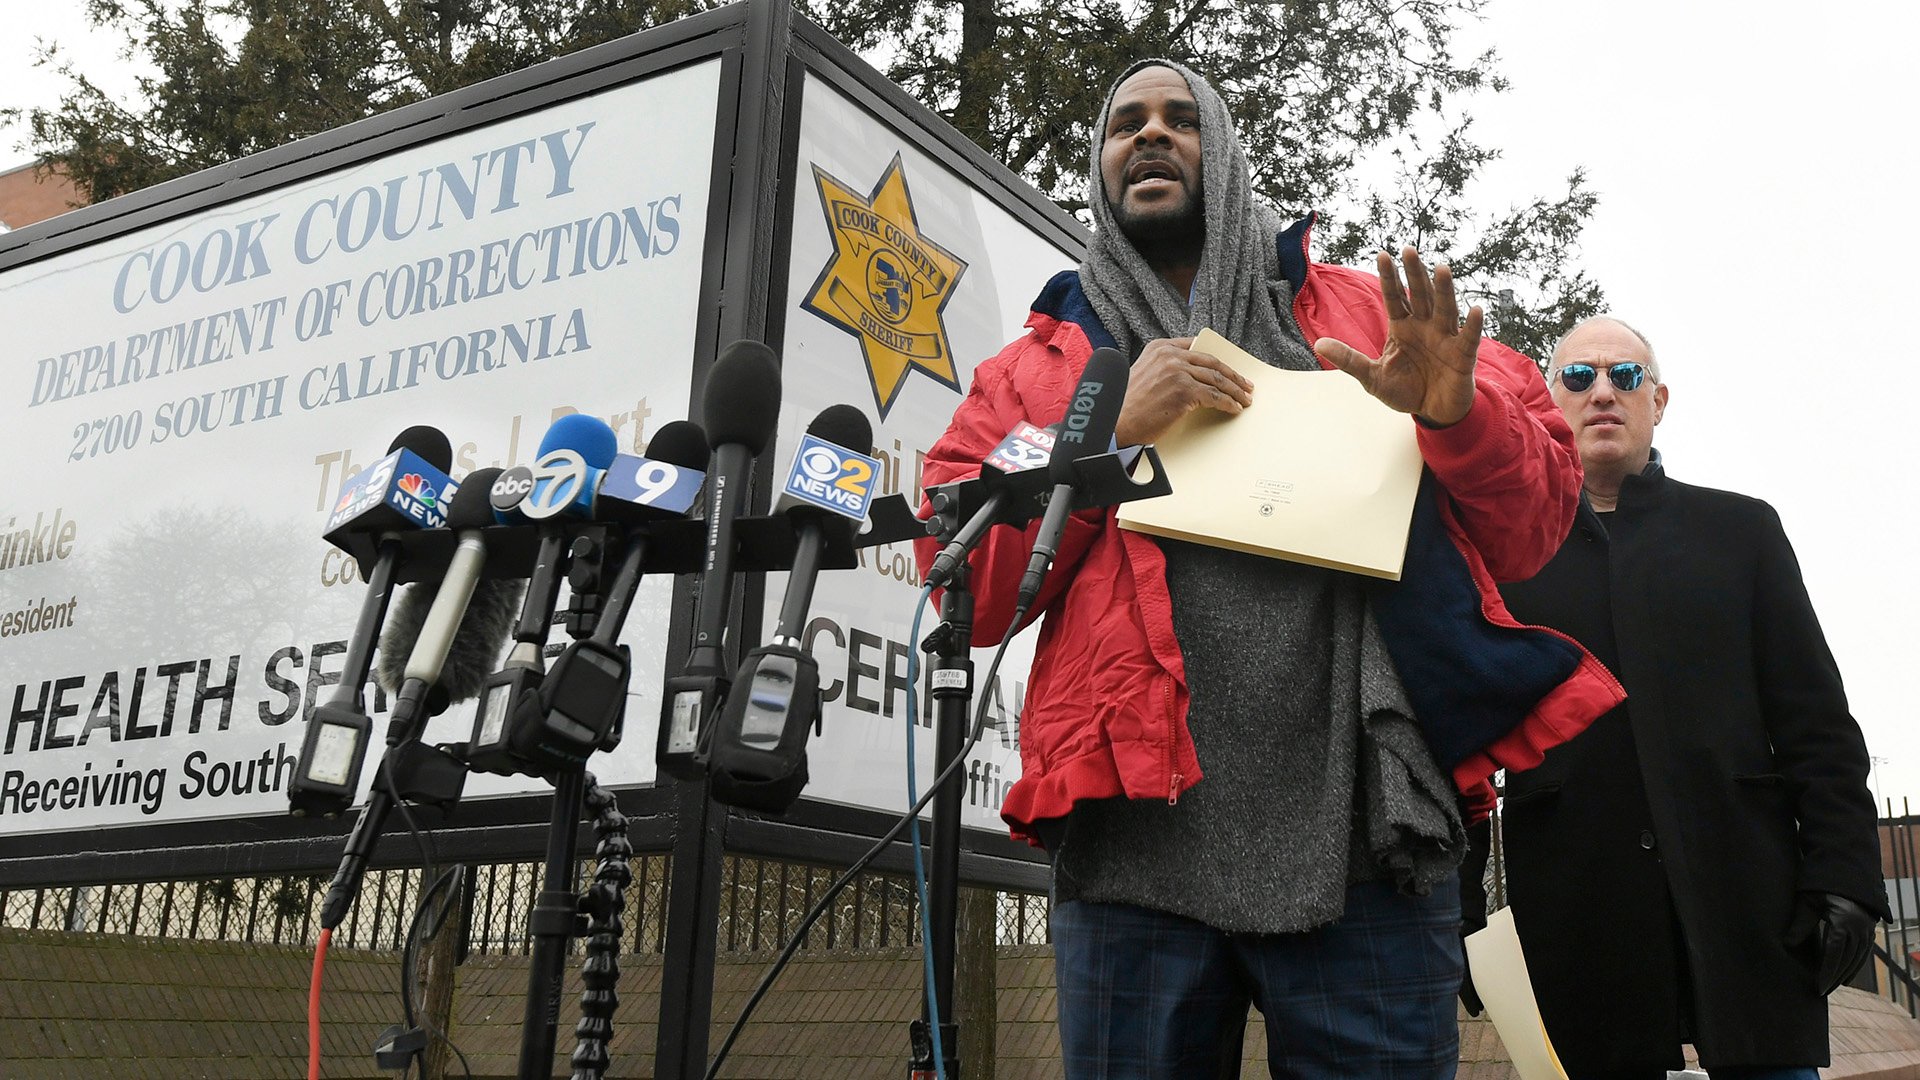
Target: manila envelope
(1316, 470)
(1500, 977)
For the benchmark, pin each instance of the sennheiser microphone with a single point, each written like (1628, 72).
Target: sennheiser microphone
(740, 407)
(334, 744)
(444, 632)
(758, 754)
(1086, 431)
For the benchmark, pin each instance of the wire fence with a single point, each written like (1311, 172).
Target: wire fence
(763, 902)
(1900, 939)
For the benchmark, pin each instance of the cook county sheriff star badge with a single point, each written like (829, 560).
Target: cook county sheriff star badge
(886, 283)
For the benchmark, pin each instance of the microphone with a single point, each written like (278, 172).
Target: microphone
(567, 466)
(758, 757)
(578, 706)
(572, 457)
(440, 655)
(638, 490)
(334, 745)
(1085, 432)
(407, 489)
(1024, 449)
(666, 481)
(741, 405)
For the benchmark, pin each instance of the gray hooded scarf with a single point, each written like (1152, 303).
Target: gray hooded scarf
(1239, 291)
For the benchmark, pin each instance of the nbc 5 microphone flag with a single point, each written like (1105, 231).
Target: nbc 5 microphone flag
(399, 491)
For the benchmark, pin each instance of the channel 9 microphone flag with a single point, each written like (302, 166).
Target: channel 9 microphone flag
(539, 724)
(758, 756)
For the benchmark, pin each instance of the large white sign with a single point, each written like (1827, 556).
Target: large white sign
(903, 279)
(180, 405)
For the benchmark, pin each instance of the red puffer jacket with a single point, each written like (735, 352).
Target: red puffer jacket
(1107, 697)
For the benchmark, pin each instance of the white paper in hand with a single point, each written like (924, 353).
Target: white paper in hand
(1500, 977)
(1315, 471)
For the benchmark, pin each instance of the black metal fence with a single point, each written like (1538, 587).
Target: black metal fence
(763, 903)
(1900, 939)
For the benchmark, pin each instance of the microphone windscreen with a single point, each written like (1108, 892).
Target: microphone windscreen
(482, 636)
(588, 436)
(742, 399)
(470, 508)
(1092, 413)
(843, 426)
(428, 442)
(682, 443)
(408, 615)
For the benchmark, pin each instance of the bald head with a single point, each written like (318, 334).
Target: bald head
(1588, 327)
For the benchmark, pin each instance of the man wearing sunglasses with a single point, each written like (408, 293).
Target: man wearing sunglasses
(1701, 864)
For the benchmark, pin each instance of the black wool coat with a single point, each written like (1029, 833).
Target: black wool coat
(1653, 861)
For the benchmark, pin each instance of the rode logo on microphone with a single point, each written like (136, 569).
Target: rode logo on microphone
(832, 477)
(1074, 426)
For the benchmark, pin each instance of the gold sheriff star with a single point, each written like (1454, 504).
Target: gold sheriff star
(886, 284)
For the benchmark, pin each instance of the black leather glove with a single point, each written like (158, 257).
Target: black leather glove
(1836, 932)
(1468, 995)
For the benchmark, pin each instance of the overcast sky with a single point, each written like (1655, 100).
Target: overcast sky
(1756, 168)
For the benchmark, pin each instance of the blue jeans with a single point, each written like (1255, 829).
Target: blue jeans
(1145, 995)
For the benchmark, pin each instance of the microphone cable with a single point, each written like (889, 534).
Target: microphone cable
(913, 829)
(912, 815)
(319, 948)
(453, 878)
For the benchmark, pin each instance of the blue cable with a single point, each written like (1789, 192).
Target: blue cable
(913, 832)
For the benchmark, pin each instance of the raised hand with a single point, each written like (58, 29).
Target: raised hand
(1427, 366)
(1169, 381)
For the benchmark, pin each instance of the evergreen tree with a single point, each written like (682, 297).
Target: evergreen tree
(1320, 87)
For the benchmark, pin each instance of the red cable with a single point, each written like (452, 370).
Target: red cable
(313, 1006)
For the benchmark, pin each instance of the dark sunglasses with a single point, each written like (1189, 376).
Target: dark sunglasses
(1578, 378)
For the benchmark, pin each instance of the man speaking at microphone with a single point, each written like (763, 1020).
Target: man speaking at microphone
(1218, 749)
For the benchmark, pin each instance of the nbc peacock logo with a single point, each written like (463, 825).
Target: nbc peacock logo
(417, 487)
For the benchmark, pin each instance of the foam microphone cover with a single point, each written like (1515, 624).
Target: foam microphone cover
(485, 626)
(1092, 413)
(742, 399)
(847, 427)
(682, 443)
(588, 436)
(843, 426)
(428, 442)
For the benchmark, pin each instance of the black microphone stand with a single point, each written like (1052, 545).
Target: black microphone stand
(950, 645)
(556, 918)
(1104, 481)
